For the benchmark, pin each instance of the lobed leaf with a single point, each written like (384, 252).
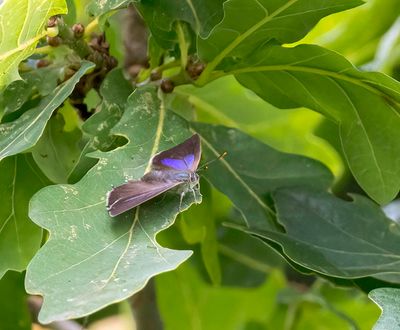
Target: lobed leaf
(20, 238)
(22, 24)
(364, 104)
(23, 133)
(388, 299)
(112, 257)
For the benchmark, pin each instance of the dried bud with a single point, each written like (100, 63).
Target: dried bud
(134, 70)
(78, 30)
(105, 45)
(68, 73)
(52, 22)
(167, 86)
(54, 41)
(42, 63)
(112, 62)
(195, 69)
(155, 75)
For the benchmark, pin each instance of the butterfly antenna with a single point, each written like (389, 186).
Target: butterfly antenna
(205, 166)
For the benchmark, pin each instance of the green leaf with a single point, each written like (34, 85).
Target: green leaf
(247, 24)
(334, 237)
(289, 131)
(96, 8)
(202, 306)
(252, 170)
(19, 237)
(41, 81)
(245, 260)
(202, 15)
(23, 133)
(159, 15)
(388, 300)
(23, 24)
(362, 103)
(113, 257)
(14, 314)
(57, 151)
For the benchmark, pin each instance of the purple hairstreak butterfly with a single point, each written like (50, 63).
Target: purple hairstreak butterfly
(172, 168)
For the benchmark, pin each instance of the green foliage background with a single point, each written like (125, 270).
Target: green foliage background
(298, 223)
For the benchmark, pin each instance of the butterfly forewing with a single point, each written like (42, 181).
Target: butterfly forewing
(183, 157)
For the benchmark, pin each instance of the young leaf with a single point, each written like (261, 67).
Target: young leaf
(251, 170)
(334, 237)
(41, 81)
(364, 104)
(23, 133)
(388, 299)
(247, 24)
(113, 257)
(19, 237)
(202, 15)
(23, 24)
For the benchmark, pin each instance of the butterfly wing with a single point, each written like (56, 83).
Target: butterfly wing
(134, 193)
(183, 157)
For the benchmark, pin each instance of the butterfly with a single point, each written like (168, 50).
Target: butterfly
(172, 168)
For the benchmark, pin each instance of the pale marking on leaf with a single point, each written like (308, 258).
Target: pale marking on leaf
(237, 177)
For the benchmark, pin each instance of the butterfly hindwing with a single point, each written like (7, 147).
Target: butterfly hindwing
(134, 193)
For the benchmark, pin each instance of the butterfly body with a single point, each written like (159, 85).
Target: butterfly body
(172, 169)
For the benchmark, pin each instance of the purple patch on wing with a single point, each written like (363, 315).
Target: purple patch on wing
(189, 159)
(176, 164)
(179, 164)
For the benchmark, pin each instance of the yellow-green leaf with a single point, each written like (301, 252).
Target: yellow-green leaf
(22, 24)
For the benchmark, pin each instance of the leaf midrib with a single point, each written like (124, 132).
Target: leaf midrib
(320, 72)
(239, 179)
